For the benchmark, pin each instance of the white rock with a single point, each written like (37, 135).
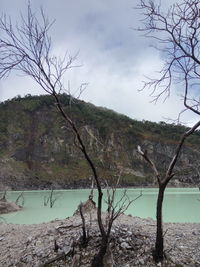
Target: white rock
(29, 239)
(141, 261)
(125, 245)
(66, 249)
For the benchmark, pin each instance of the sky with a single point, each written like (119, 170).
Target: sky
(113, 57)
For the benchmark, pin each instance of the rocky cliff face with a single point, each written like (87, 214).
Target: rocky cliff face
(38, 150)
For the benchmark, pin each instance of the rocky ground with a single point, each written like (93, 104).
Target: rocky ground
(6, 206)
(132, 241)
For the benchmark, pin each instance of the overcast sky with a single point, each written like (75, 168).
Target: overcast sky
(114, 57)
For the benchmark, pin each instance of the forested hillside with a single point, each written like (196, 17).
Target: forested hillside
(38, 150)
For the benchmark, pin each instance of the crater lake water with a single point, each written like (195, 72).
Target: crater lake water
(180, 204)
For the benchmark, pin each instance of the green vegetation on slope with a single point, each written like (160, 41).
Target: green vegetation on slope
(36, 142)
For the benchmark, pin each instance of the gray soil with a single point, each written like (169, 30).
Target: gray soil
(7, 207)
(132, 242)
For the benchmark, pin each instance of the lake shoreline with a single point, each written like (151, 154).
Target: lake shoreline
(26, 189)
(37, 209)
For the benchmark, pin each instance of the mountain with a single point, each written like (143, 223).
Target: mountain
(38, 149)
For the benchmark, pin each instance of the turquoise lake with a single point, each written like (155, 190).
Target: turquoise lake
(180, 205)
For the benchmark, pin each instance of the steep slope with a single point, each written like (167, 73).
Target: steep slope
(38, 150)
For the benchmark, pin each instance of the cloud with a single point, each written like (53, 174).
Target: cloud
(113, 56)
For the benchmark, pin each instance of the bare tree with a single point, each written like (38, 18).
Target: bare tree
(115, 207)
(20, 199)
(51, 198)
(177, 32)
(3, 196)
(26, 48)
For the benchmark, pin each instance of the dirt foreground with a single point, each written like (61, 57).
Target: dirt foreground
(132, 241)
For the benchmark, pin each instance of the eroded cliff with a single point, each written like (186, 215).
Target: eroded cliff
(38, 149)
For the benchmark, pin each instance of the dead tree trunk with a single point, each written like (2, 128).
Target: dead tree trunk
(99, 257)
(162, 183)
(159, 246)
(85, 237)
